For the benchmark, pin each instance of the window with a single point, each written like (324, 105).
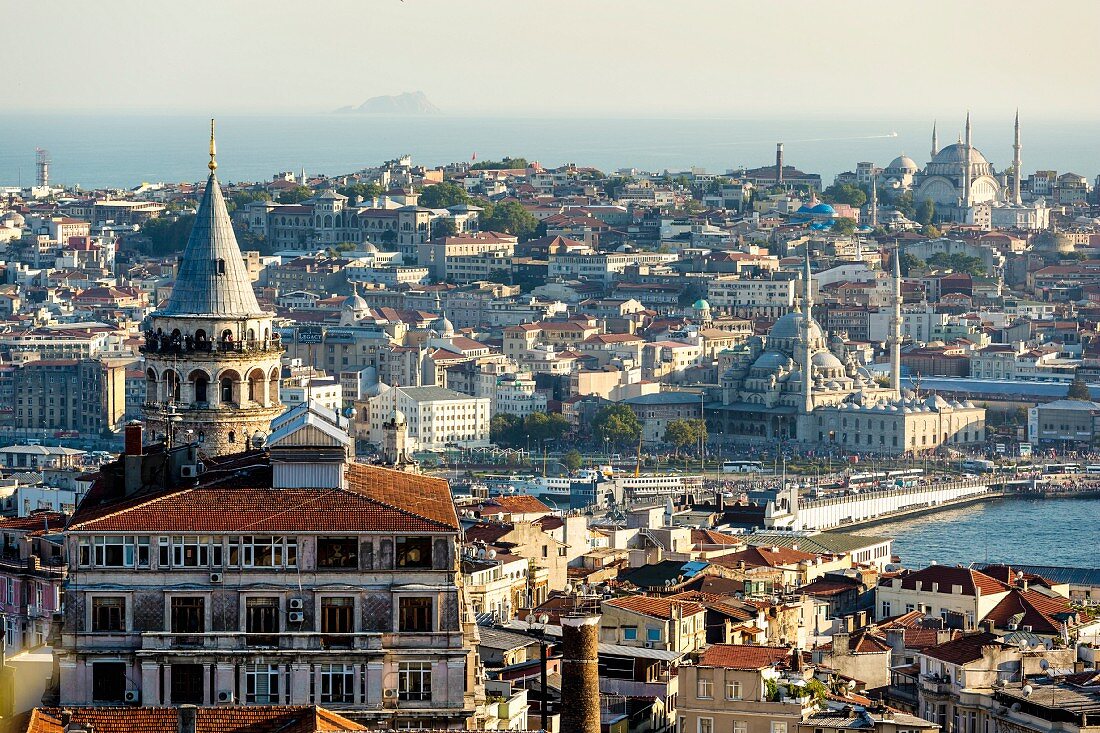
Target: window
(414, 552)
(630, 633)
(187, 684)
(414, 681)
(337, 683)
(261, 684)
(652, 634)
(337, 552)
(338, 617)
(733, 690)
(192, 551)
(740, 726)
(885, 609)
(113, 552)
(109, 614)
(261, 617)
(705, 688)
(108, 681)
(263, 552)
(415, 614)
(706, 725)
(779, 726)
(188, 615)
(909, 608)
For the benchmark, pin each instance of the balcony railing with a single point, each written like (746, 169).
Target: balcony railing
(166, 344)
(299, 641)
(935, 685)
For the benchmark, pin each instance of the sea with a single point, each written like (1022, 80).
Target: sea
(115, 150)
(1060, 532)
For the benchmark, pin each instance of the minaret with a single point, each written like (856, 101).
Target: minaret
(807, 318)
(895, 328)
(935, 141)
(211, 354)
(966, 163)
(779, 164)
(874, 200)
(1017, 166)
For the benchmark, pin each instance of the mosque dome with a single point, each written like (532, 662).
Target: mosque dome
(935, 402)
(903, 164)
(770, 360)
(823, 208)
(825, 360)
(790, 327)
(369, 247)
(398, 417)
(443, 326)
(957, 153)
(701, 305)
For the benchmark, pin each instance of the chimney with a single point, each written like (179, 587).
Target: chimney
(66, 717)
(133, 438)
(188, 719)
(779, 163)
(841, 643)
(580, 682)
(944, 635)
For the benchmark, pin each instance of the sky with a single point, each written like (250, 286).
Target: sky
(598, 58)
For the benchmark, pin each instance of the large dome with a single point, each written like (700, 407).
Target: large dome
(956, 153)
(354, 302)
(903, 164)
(826, 360)
(790, 327)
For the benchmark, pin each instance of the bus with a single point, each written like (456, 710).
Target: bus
(1056, 468)
(978, 465)
(904, 478)
(859, 481)
(742, 467)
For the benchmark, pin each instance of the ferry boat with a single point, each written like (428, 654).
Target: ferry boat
(563, 492)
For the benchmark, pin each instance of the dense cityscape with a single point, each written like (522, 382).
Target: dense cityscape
(509, 445)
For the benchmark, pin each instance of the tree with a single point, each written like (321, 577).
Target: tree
(444, 228)
(1078, 390)
(692, 292)
(910, 262)
(930, 231)
(682, 434)
(844, 225)
(506, 429)
(361, 190)
(296, 194)
(614, 185)
(903, 203)
(509, 218)
(845, 193)
(925, 212)
(168, 235)
(443, 196)
(617, 424)
(572, 459)
(505, 163)
(243, 198)
(540, 426)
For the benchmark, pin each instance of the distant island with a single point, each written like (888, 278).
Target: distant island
(409, 103)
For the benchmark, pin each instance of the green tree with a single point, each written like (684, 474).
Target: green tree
(613, 186)
(507, 430)
(910, 262)
(692, 292)
(844, 225)
(505, 163)
(444, 228)
(167, 235)
(683, 434)
(930, 231)
(443, 195)
(925, 212)
(542, 426)
(617, 424)
(242, 198)
(361, 190)
(1078, 390)
(572, 459)
(903, 203)
(295, 195)
(509, 218)
(845, 193)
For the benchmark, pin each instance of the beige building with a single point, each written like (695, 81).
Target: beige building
(85, 396)
(941, 590)
(741, 689)
(653, 623)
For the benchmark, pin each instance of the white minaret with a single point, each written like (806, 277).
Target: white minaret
(1017, 166)
(895, 328)
(966, 163)
(807, 318)
(935, 141)
(874, 200)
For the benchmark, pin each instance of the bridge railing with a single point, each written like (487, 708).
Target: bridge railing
(911, 491)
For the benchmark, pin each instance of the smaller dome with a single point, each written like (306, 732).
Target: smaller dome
(826, 360)
(903, 164)
(443, 326)
(770, 360)
(823, 208)
(701, 305)
(354, 303)
(398, 417)
(369, 247)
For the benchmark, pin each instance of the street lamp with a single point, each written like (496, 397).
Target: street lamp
(540, 631)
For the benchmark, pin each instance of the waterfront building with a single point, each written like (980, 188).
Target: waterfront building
(285, 576)
(438, 418)
(211, 357)
(1064, 423)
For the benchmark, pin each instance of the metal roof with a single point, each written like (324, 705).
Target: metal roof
(963, 386)
(821, 543)
(212, 279)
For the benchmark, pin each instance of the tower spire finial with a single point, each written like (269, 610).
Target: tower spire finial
(935, 140)
(213, 164)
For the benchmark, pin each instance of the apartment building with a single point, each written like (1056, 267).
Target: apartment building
(286, 577)
(85, 396)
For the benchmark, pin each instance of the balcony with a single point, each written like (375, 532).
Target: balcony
(165, 344)
(298, 641)
(931, 684)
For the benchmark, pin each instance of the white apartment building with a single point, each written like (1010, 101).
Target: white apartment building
(324, 390)
(758, 298)
(602, 266)
(437, 417)
(918, 323)
(516, 395)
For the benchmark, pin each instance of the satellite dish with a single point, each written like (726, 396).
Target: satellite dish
(492, 554)
(1044, 664)
(1015, 707)
(851, 684)
(1028, 689)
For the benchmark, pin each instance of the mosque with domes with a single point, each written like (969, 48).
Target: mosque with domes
(769, 394)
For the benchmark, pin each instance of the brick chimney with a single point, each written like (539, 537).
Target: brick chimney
(580, 682)
(187, 722)
(841, 644)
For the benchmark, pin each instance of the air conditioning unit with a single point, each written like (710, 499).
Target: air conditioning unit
(225, 696)
(649, 645)
(296, 617)
(389, 697)
(296, 604)
(189, 471)
(132, 696)
(215, 577)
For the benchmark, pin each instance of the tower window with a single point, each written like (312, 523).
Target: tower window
(221, 267)
(232, 437)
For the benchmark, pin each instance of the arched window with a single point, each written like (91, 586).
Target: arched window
(221, 267)
(227, 390)
(232, 437)
(201, 382)
(151, 386)
(256, 385)
(328, 221)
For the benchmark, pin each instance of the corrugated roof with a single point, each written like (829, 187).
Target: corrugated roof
(826, 543)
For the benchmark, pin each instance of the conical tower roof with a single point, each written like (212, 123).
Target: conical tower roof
(212, 279)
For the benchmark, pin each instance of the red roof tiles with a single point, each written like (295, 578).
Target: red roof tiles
(656, 607)
(736, 656)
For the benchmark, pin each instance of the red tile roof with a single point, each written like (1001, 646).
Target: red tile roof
(737, 656)
(656, 607)
(517, 504)
(964, 649)
(770, 557)
(377, 499)
(947, 576)
(1045, 615)
(244, 719)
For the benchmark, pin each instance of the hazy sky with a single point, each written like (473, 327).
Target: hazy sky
(564, 57)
